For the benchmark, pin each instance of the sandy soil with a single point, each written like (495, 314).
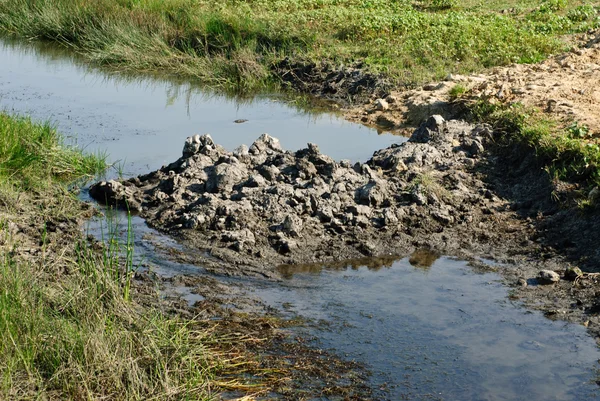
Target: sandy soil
(566, 87)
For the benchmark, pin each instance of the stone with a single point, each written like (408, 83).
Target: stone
(476, 148)
(263, 143)
(381, 104)
(373, 193)
(225, 177)
(292, 225)
(241, 151)
(269, 172)
(115, 193)
(427, 131)
(359, 210)
(194, 144)
(548, 277)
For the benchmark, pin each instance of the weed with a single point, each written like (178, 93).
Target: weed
(69, 321)
(564, 151)
(577, 131)
(457, 91)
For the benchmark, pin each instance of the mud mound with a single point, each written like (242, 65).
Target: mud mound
(344, 85)
(264, 206)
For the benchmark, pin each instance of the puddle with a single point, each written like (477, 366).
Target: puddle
(143, 123)
(427, 327)
(432, 329)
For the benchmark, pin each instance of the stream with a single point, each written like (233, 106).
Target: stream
(432, 330)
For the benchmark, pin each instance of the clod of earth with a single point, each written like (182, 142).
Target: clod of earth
(548, 277)
(263, 206)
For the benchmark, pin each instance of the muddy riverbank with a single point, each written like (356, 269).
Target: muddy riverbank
(450, 188)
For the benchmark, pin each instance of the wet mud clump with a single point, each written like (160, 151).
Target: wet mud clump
(255, 208)
(342, 84)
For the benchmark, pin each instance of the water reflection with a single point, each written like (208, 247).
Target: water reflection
(143, 121)
(375, 264)
(445, 335)
(423, 258)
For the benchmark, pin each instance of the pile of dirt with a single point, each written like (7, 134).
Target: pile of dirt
(253, 209)
(566, 87)
(344, 85)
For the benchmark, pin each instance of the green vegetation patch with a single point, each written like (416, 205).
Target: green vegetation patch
(31, 155)
(235, 44)
(568, 153)
(72, 324)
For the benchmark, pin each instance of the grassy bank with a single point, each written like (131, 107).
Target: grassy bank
(69, 326)
(568, 153)
(235, 44)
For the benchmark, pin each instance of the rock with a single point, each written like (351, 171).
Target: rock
(269, 172)
(429, 129)
(548, 277)
(521, 282)
(292, 225)
(418, 197)
(241, 151)
(255, 181)
(443, 216)
(263, 143)
(116, 194)
(225, 177)
(389, 217)
(391, 99)
(374, 193)
(476, 148)
(381, 104)
(286, 245)
(194, 144)
(359, 210)
(572, 273)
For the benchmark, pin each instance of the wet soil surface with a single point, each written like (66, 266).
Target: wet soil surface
(248, 211)
(256, 208)
(343, 85)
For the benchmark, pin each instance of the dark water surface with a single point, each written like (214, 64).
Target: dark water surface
(437, 331)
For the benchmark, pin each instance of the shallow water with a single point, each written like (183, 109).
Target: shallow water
(440, 332)
(433, 331)
(143, 123)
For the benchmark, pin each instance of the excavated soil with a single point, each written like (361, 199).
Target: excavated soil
(454, 188)
(250, 210)
(566, 87)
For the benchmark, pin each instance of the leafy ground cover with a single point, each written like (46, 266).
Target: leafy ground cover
(235, 44)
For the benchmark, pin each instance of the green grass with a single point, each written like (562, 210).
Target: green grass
(235, 44)
(71, 322)
(31, 155)
(567, 153)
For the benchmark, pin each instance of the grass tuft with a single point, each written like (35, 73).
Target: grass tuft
(567, 153)
(70, 324)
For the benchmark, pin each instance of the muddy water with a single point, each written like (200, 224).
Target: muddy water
(434, 331)
(143, 123)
